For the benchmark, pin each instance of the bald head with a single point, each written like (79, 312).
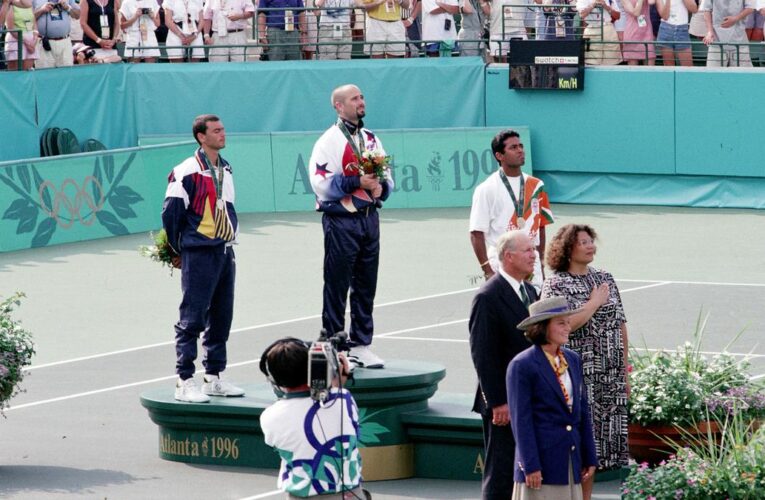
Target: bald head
(348, 102)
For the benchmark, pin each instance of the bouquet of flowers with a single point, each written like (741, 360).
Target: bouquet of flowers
(160, 251)
(375, 163)
(16, 351)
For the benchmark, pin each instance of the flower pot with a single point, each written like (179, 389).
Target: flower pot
(649, 443)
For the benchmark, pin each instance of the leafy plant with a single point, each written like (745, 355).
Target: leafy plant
(680, 387)
(160, 251)
(729, 464)
(16, 350)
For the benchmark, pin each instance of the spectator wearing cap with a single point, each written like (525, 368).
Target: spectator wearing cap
(54, 49)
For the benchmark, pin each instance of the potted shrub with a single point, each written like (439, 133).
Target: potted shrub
(729, 465)
(16, 350)
(675, 395)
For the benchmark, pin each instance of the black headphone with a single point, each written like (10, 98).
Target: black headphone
(264, 357)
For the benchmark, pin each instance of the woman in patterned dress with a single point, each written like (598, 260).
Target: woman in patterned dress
(599, 335)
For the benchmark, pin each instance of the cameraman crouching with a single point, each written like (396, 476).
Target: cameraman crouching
(317, 441)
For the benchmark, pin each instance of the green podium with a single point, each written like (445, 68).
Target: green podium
(391, 401)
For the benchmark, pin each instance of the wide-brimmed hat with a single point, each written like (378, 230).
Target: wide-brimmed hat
(545, 309)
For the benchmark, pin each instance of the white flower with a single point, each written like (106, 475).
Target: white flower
(658, 409)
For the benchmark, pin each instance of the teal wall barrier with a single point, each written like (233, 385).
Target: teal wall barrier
(431, 168)
(82, 197)
(95, 195)
(623, 121)
(644, 136)
(118, 103)
(17, 113)
(719, 123)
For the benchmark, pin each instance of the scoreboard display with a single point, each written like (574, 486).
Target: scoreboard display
(546, 64)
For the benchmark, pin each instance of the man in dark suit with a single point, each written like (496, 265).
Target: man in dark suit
(498, 307)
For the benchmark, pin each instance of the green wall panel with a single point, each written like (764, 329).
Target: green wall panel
(82, 197)
(94, 101)
(622, 122)
(431, 168)
(21, 134)
(719, 123)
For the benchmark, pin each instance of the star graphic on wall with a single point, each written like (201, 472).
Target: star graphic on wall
(322, 170)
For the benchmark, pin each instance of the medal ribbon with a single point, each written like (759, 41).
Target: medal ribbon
(519, 203)
(357, 147)
(223, 229)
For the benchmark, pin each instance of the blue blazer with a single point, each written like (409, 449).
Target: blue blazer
(546, 433)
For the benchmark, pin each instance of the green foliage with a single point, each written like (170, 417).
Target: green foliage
(369, 429)
(16, 350)
(729, 464)
(684, 388)
(681, 387)
(160, 251)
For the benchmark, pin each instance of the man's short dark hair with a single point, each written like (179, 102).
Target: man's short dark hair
(286, 362)
(498, 143)
(200, 125)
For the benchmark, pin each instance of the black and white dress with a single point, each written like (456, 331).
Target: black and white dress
(599, 343)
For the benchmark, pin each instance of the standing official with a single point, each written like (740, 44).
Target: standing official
(509, 199)
(349, 200)
(498, 307)
(201, 224)
(54, 22)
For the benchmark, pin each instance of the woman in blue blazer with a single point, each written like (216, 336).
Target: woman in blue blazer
(549, 411)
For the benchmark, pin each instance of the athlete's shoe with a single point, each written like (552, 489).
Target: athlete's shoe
(215, 386)
(363, 357)
(187, 390)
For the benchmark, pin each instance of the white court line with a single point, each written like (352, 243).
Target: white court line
(238, 330)
(315, 316)
(430, 339)
(263, 495)
(646, 286)
(708, 353)
(703, 283)
(112, 388)
(383, 335)
(417, 328)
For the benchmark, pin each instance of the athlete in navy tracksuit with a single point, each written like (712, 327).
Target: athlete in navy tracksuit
(201, 224)
(351, 224)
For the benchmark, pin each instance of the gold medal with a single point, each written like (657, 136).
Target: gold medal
(521, 223)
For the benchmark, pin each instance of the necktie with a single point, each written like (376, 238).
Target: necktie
(524, 296)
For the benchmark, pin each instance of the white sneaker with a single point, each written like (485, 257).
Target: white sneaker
(187, 390)
(362, 356)
(215, 386)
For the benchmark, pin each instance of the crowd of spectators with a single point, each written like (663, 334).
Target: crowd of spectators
(53, 33)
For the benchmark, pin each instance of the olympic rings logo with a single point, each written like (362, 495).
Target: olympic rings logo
(61, 201)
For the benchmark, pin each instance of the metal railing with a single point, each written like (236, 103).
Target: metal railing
(19, 48)
(608, 52)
